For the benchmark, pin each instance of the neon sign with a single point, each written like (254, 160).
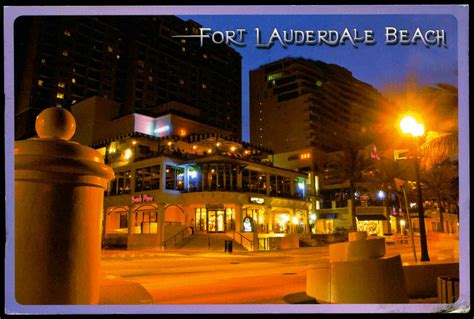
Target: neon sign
(142, 198)
(162, 129)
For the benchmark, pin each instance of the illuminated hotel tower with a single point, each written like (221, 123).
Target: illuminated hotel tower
(60, 61)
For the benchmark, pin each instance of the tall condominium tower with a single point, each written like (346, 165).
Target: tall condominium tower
(297, 103)
(133, 60)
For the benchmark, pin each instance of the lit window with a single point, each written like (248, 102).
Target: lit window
(183, 49)
(183, 41)
(65, 53)
(273, 76)
(67, 33)
(127, 154)
(60, 95)
(43, 61)
(40, 82)
(204, 56)
(305, 155)
(150, 79)
(61, 84)
(73, 80)
(204, 86)
(181, 82)
(110, 49)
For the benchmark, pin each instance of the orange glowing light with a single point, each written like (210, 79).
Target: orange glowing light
(305, 156)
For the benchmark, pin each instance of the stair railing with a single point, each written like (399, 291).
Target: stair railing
(249, 243)
(178, 237)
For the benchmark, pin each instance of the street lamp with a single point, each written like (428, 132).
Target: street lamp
(409, 125)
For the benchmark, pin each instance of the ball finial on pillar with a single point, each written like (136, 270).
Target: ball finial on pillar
(55, 122)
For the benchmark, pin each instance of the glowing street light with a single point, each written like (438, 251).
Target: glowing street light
(409, 125)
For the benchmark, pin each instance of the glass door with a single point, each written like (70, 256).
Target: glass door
(211, 221)
(220, 221)
(215, 221)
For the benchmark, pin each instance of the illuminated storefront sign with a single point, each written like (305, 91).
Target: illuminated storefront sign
(162, 129)
(248, 224)
(257, 200)
(142, 198)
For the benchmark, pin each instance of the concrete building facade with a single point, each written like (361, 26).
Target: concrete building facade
(318, 104)
(166, 182)
(135, 61)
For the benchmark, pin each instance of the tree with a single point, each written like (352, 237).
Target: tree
(354, 165)
(383, 178)
(438, 181)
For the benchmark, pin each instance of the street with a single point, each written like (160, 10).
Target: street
(186, 277)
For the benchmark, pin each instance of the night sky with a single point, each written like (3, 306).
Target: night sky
(380, 64)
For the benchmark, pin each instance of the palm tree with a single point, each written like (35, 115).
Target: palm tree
(438, 181)
(384, 178)
(354, 166)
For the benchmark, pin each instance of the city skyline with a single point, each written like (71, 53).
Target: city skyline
(395, 64)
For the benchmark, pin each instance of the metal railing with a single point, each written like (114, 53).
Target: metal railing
(250, 243)
(178, 237)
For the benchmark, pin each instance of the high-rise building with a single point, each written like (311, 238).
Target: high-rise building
(135, 61)
(297, 103)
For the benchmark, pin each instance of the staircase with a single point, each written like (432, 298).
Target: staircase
(208, 242)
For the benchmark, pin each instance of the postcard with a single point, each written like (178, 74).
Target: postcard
(236, 159)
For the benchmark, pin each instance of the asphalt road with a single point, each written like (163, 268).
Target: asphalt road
(237, 278)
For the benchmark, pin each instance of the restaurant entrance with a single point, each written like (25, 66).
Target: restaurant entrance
(215, 221)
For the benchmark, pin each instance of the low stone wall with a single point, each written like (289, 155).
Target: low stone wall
(289, 242)
(421, 279)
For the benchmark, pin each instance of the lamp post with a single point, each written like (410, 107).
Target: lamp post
(410, 126)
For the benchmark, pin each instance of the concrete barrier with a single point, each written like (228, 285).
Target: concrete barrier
(421, 279)
(357, 235)
(357, 250)
(318, 283)
(368, 281)
(289, 242)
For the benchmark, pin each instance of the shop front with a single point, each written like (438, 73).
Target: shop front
(214, 219)
(373, 225)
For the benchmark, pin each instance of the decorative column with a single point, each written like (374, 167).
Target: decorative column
(59, 193)
(160, 211)
(238, 217)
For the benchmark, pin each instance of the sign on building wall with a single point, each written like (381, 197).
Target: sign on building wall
(257, 200)
(142, 198)
(247, 224)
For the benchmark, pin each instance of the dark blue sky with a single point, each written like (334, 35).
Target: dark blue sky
(379, 65)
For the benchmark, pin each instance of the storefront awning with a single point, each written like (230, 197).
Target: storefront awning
(371, 217)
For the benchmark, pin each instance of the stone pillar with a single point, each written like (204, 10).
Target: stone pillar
(160, 211)
(59, 193)
(238, 217)
(130, 221)
(268, 220)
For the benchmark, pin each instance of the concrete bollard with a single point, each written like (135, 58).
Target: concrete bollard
(357, 235)
(59, 190)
